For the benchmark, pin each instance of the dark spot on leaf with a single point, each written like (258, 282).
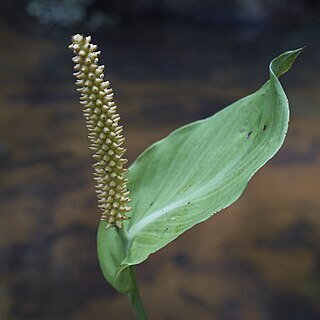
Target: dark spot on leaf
(151, 204)
(264, 127)
(249, 134)
(166, 229)
(188, 202)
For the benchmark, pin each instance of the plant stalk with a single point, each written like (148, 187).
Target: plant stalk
(135, 298)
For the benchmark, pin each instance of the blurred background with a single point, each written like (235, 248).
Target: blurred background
(170, 63)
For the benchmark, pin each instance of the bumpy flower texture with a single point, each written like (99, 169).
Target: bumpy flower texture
(102, 121)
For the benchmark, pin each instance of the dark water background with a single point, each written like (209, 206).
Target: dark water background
(258, 260)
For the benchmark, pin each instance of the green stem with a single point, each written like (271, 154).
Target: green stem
(135, 299)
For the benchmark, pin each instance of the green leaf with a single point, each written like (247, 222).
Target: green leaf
(194, 173)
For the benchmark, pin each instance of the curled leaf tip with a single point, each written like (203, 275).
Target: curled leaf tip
(105, 133)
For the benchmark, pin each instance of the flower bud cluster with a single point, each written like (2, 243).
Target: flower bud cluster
(105, 134)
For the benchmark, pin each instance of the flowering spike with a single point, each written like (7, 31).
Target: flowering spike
(102, 119)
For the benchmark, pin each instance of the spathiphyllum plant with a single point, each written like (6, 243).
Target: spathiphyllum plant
(178, 182)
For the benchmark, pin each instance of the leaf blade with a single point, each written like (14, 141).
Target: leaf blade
(203, 167)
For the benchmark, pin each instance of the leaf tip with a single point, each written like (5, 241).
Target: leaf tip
(281, 64)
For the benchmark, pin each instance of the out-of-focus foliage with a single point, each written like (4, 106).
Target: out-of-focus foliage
(58, 12)
(90, 15)
(97, 13)
(68, 13)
